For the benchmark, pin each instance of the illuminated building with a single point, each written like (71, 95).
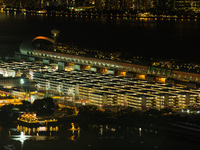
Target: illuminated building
(7, 101)
(115, 90)
(98, 99)
(105, 90)
(187, 5)
(104, 82)
(124, 4)
(10, 82)
(104, 66)
(84, 91)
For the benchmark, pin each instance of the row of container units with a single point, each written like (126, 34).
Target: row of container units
(83, 83)
(97, 99)
(104, 96)
(55, 86)
(133, 99)
(102, 99)
(16, 69)
(123, 91)
(139, 102)
(142, 99)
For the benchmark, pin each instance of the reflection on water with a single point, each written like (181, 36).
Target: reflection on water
(73, 129)
(20, 137)
(112, 131)
(29, 130)
(93, 136)
(23, 133)
(43, 133)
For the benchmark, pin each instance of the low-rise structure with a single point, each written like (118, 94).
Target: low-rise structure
(105, 90)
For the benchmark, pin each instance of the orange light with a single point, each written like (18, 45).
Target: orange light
(87, 67)
(43, 38)
(162, 80)
(141, 76)
(123, 73)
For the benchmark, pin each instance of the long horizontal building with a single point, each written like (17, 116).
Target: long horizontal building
(67, 61)
(106, 83)
(105, 90)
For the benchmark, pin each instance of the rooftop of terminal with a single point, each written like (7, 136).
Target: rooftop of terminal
(91, 59)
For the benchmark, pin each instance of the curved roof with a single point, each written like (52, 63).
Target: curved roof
(26, 46)
(43, 38)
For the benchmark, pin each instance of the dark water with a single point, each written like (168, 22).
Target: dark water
(159, 38)
(92, 137)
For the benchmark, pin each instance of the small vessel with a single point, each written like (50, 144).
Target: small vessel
(30, 119)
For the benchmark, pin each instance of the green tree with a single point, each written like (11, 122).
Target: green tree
(25, 106)
(45, 106)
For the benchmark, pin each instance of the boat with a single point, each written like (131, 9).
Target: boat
(30, 119)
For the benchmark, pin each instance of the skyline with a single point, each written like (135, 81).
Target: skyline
(122, 6)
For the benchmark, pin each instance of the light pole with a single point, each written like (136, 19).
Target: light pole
(55, 35)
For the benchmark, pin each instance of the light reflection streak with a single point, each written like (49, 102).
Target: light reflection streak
(101, 131)
(140, 132)
(73, 129)
(26, 133)
(22, 138)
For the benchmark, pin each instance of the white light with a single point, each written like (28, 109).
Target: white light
(140, 132)
(22, 135)
(22, 81)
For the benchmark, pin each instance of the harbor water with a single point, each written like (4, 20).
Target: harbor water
(91, 137)
(176, 38)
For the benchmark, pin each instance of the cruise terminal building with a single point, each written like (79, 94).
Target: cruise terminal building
(107, 83)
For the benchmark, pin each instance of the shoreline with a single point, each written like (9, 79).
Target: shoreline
(111, 16)
(163, 128)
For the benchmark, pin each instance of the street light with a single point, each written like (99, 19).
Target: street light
(55, 35)
(22, 81)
